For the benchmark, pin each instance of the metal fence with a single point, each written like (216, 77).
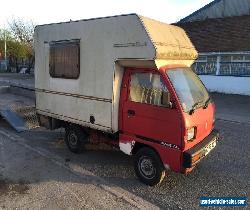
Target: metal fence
(219, 67)
(205, 68)
(235, 68)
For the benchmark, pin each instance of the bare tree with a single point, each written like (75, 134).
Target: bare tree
(22, 31)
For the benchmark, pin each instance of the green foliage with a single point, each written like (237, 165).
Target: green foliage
(15, 48)
(19, 41)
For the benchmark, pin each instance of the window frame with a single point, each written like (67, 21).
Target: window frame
(65, 42)
(142, 103)
(201, 60)
(233, 60)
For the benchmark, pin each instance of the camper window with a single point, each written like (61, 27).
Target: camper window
(64, 59)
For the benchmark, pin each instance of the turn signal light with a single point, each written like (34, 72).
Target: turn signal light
(196, 158)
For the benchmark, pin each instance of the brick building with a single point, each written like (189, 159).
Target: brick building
(220, 32)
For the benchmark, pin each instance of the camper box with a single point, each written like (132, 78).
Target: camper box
(79, 65)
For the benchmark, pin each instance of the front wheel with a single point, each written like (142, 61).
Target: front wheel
(148, 166)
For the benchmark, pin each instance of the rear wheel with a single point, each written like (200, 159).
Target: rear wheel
(75, 138)
(148, 166)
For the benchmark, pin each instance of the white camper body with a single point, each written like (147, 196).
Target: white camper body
(106, 47)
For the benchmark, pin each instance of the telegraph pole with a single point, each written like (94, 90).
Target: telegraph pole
(5, 50)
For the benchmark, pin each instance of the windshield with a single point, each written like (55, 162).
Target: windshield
(190, 90)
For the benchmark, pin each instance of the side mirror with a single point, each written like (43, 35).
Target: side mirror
(166, 100)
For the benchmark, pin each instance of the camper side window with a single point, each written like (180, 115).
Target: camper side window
(64, 59)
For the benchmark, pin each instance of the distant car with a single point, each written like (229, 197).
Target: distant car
(24, 70)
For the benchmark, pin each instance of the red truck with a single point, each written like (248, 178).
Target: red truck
(126, 81)
(178, 133)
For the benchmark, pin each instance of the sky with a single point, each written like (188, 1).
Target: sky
(51, 11)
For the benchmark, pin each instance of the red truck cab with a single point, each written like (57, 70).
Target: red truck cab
(166, 120)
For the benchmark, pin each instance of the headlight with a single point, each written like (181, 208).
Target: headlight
(190, 133)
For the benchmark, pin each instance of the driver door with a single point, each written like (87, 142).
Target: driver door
(144, 112)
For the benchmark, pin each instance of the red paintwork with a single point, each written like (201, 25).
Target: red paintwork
(169, 156)
(160, 123)
(150, 121)
(202, 119)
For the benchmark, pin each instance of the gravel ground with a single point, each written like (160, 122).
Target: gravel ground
(225, 172)
(8, 99)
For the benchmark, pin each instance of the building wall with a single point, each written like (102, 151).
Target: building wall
(221, 29)
(225, 72)
(227, 84)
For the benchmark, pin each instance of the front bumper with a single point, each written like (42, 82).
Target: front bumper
(194, 155)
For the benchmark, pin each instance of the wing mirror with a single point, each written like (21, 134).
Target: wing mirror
(166, 100)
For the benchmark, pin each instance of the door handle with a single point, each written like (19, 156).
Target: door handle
(131, 113)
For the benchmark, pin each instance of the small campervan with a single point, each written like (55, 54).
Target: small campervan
(126, 81)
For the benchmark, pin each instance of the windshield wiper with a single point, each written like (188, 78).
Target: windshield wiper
(206, 103)
(195, 105)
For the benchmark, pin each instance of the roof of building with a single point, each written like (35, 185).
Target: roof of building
(219, 35)
(199, 11)
(220, 9)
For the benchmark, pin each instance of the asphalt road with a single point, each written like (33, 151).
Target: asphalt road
(103, 171)
(33, 178)
(22, 80)
(28, 180)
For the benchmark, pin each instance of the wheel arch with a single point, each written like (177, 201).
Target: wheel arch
(138, 145)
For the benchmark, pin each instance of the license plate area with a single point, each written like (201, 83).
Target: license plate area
(208, 148)
(195, 154)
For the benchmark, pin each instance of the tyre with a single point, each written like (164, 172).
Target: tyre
(148, 166)
(75, 138)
